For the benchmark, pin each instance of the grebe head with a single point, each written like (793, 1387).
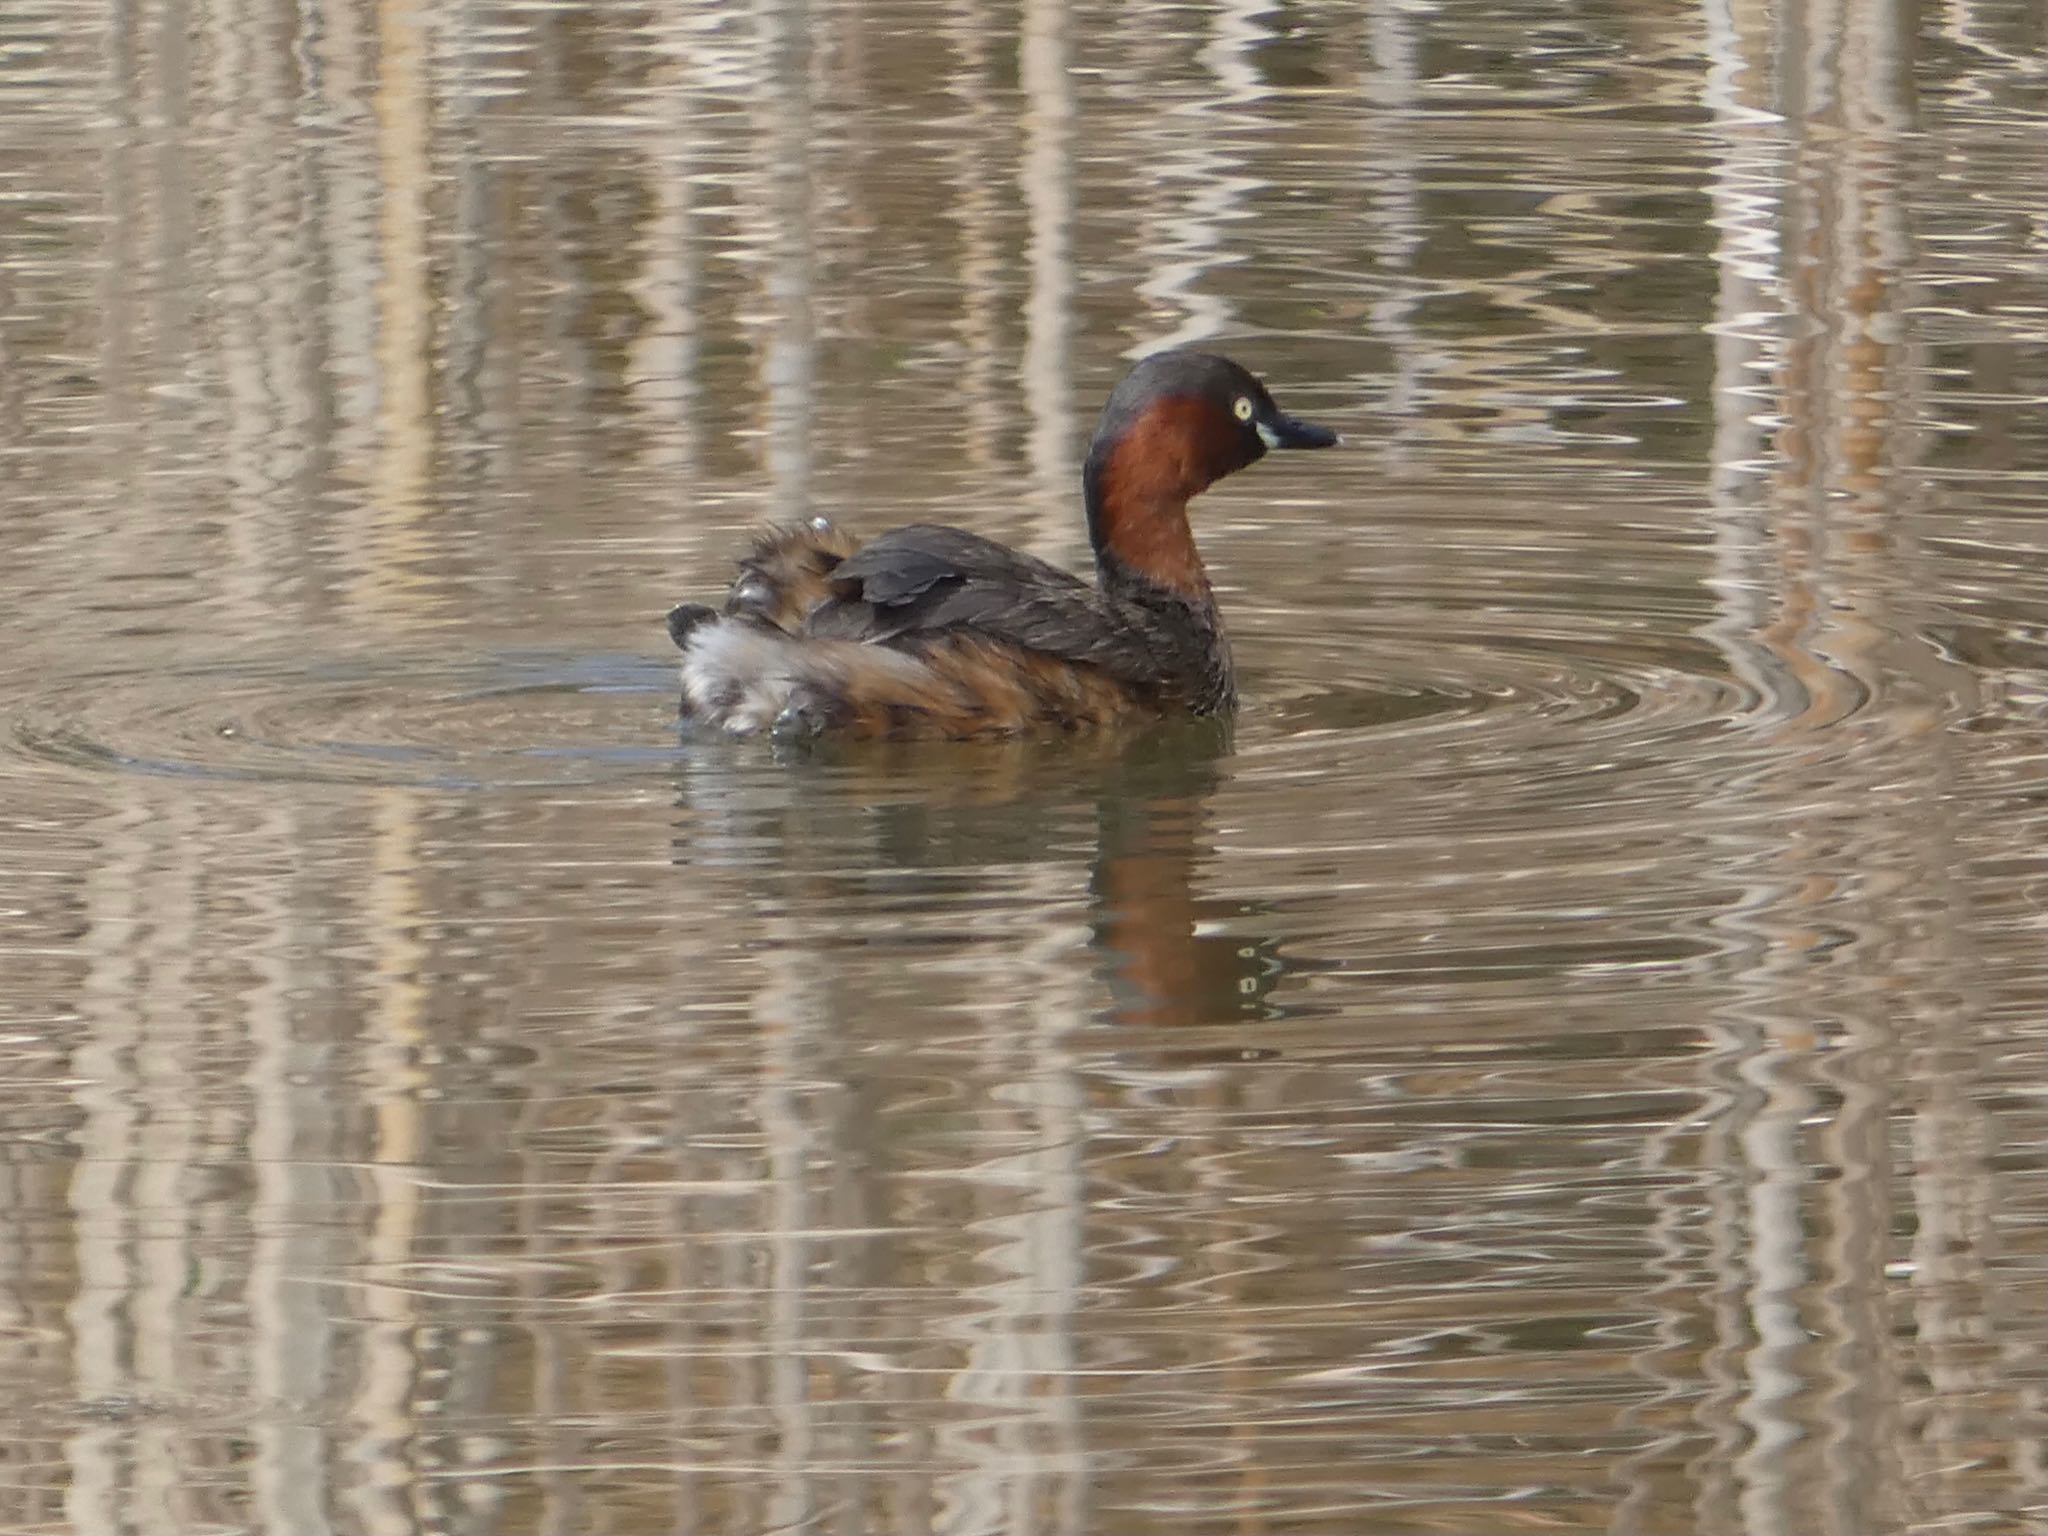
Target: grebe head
(1221, 412)
(1178, 423)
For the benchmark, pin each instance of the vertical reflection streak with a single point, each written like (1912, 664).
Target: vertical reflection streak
(124, 205)
(1774, 1165)
(1667, 1363)
(1052, 1232)
(1202, 159)
(784, 229)
(1397, 223)
(290, 1324)
(100, 1196)
(791, 1022)
(1954, 1302)
(390, 579)
(787, 168)
(237, 97)
(124, 1316)
(1744, 191)
(661, 372)
(395, 1033)
(386, 586)
(1820, 617)
(1858, 1389)
(1047, 177)
(168, 1232)
(973, 206)
(346, 232)
(1021, 1456)
(474, 439)
(1748, 322)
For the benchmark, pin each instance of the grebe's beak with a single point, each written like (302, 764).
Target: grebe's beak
(1279, 431)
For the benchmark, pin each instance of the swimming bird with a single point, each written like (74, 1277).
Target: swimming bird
(935, 631)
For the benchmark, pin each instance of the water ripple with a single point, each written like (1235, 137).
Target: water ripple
(394, 719)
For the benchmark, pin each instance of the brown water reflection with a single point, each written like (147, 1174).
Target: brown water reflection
(1571, 1060)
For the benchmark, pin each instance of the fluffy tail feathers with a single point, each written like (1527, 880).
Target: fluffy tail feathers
(742, 668)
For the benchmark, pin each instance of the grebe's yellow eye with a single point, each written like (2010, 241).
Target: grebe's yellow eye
(1243, 408)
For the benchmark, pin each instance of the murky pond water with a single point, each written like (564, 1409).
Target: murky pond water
(1571, 1061)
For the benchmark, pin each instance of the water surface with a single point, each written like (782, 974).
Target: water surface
(1570, 1060)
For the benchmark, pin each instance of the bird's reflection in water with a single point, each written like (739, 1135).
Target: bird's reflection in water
(1177, 953)
(940, 828)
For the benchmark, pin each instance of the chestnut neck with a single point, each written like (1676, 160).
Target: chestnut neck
(1138, 482)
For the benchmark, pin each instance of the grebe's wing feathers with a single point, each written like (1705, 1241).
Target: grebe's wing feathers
(905, 563)
(923, 579)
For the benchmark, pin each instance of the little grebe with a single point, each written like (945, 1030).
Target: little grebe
(931, 631)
